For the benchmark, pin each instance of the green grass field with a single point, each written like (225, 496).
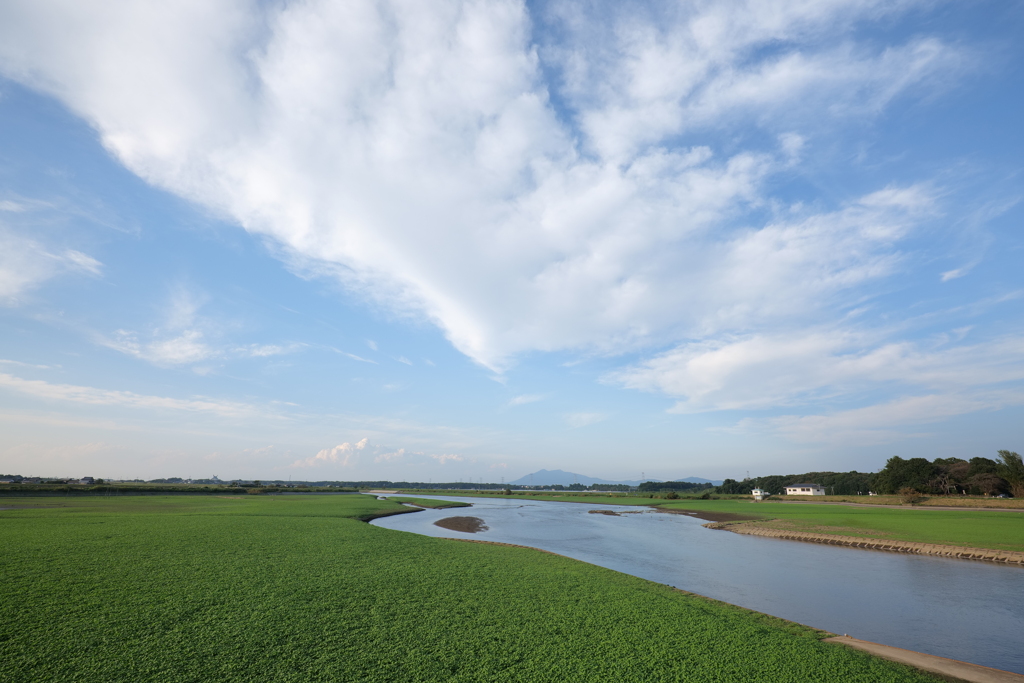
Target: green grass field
(977, 528)
(295, 588)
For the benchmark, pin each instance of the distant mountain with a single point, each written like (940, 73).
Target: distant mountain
(554, 477)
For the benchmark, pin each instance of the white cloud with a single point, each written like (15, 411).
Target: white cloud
(187, 347)
(266, 350)
(448, 457)
(107, 397)
(12, 206)
(392, 455)
(577, 420)
(27, 365)
(182, 337)
(353, 356)
(765, 371)
(178, 340)
(884, 422)
(517, 226)
(26, 263)
(525, 398)
(955, 273)
(342, 454)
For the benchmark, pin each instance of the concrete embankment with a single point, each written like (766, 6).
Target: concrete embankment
(950, 668)
(1005, 556)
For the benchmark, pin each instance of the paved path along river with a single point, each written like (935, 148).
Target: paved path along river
(971, 611)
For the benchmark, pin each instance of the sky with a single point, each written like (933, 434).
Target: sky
(443, 240)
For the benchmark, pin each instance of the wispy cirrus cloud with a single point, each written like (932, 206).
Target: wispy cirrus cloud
(25, 263)
(771, 371)
(899, 419)
(577, 420)
(108, 397)
(523, 399)
(185, 336)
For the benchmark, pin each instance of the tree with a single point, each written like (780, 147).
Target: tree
(988, 483)
(1011, 468)
(898, 473)
(733, 486)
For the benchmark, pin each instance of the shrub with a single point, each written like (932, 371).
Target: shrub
(908, 496)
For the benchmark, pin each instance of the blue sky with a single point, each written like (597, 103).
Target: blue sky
(468, 240)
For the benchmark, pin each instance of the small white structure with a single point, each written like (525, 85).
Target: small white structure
(805, 490)
(760, 494)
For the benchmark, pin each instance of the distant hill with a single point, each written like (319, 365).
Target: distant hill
(554, 477)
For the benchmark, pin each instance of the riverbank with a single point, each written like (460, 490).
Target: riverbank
(993, 530)
(951, 669)
(962, 553)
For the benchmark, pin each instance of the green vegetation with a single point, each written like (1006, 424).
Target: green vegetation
(979, 476)
(838, 483)
(294, 588)
(993, 529)
(676, 486)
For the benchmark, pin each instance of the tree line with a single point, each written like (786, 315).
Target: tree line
(942, 476)
(977, 476)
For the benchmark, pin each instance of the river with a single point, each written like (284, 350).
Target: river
(962, 609)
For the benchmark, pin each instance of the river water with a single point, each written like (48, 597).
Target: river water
(962, 609)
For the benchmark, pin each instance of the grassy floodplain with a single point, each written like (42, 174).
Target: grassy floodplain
(296, 588)
(994, 529)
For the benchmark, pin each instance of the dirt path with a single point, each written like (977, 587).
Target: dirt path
(953, 668)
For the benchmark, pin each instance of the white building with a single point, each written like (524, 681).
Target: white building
(759, 494)
(805, 490)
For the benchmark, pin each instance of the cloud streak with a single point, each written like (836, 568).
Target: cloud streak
(106, 397)
(25, 264)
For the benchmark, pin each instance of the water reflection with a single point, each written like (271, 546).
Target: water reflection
(967, 610)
